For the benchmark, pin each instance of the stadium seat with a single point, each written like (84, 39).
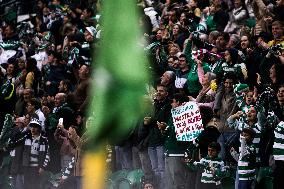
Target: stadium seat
(135, 176)
(115, 178)
(124, 184)
(118, 175)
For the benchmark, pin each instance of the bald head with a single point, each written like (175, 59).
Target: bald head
(59, 99)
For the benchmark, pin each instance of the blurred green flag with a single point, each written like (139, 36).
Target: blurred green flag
(120, 74)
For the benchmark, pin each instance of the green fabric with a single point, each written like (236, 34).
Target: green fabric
(217, 69)
(187, 52)
(10, 16)
(135, 176)
(206, 164)
(246, 165)
(6, 130)
(172, 146)
(118, 175)
(278, 146)
(263, 172)
(250, 22)
(192, 80)
(211, 25)
(120, 74)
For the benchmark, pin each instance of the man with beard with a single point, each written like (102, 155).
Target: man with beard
(168, 80)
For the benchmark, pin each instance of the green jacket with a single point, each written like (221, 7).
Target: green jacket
(172, 146)
(192, 80)
(194, 86)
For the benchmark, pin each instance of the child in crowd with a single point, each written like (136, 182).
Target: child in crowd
(213, 167)
(245, 96)
(246, 159)
(250, 119)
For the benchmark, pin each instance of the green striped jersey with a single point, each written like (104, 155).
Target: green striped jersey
(207, 175)
(246, 164)
(240, 125)
(233, 68)
(278, 146)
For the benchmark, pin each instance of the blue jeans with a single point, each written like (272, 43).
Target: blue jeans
(78, 182)
(245, 184)
(222, 140)
(17, 181)
(123, 158)
(157, 158)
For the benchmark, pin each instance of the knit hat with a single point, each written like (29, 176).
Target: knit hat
(92, 30)
(239, 88)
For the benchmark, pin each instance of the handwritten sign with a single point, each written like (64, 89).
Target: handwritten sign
(187, 121)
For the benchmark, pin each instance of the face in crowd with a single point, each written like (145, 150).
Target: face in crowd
(161, 93)
(244, 42)
(228, 84)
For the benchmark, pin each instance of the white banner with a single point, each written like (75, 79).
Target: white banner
(187, 121)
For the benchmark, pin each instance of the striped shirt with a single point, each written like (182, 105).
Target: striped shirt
(34, 151)
(240, 125)
(278, 146)
(246, 163)
(208, 164)
(233, 68)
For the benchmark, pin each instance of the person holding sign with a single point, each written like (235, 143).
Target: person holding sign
(176, 171)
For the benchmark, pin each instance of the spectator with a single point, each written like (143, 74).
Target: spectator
(213, 167)
(246, 159)
(35, 154)
(175, 170)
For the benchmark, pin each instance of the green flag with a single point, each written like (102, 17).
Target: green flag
(120, 74)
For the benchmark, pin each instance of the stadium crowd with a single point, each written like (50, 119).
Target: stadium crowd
(225, 56)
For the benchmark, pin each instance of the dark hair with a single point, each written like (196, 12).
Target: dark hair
(31, 64)
(206, 114)
(56, 55)
(90, 11)
(182, 56)
(225, 35)
(181, 98)
(160, 85)
(215, 145)
(249, 131)
(34, 102)
(231, 76)
(68, 83)
(234, 55)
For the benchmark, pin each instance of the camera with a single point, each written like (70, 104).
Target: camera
(276, 49)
